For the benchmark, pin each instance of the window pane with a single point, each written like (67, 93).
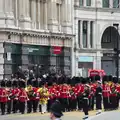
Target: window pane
(88, 2)
(105, 3)
(84, 34)
(81, 2)
(91, 34)
(79, 32)
(115, 3)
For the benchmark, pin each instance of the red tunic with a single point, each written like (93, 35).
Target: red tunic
(23, 95)
(106, 90)
(3, 95)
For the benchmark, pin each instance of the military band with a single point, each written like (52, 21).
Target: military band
(75, 94)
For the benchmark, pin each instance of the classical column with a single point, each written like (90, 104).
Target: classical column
(27, 8)
(52, 22)
(24, 19)
(9, 13)
(45, 15)
(84, 3)
(38, 14)
(111, 3)
(88, 34)
(2, 14)
(1, 8)
(67, 19)
(81, 34)
(33, 13)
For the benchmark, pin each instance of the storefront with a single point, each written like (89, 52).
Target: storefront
(29, 56)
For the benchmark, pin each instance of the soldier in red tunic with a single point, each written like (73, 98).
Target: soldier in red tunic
(65, 95)
(23, 98)
(106, 93)
(15, 96)
(9, 92)
(3, 97)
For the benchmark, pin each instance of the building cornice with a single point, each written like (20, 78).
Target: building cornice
(94, 9)
(41, 33)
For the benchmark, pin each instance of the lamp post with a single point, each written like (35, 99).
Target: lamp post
(117, 51)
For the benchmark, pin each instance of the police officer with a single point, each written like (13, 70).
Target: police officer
(98, 95)
(85, 104)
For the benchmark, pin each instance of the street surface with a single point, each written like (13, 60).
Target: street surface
(113, 115)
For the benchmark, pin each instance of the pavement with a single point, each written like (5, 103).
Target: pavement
(112, 115)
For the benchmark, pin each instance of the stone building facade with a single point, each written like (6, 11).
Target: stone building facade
(29, 31)
(96, 36)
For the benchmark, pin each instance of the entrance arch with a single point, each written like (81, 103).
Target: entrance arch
(108, 43)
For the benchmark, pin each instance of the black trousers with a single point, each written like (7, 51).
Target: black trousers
(113, 101)
(91, 103)
(79, 102)
(9, 106)
(85, 106)
(15, 106)
(35, 105)
(2, 105)
(50, 102)
(99, 102)
(65, 103)
(106, 103)
(22, 107)
(73, 104)
(117, 98)
(32, 104)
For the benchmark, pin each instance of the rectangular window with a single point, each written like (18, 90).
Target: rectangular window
(116, 3)
(81, 2)
(88, 2)
(105, 3)
(91, 34)
(79, 32)
(85, 34)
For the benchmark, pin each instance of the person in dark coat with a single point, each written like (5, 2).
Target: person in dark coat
(98, 95)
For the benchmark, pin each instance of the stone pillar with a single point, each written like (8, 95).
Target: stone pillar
(67, 63)
(33, 13)
(27, 9)
(98, 3)
(2, 14)
(1, 60)
(9, 13)
(84, 3)
(24, 57)
(7, 60)
(24, 18)
(45, 15)
(94, 35)
(93, 3)
(67, 17)
(111, 3)
(98, 60)
(52, 21)
(88, 35)
(38, 14)
(81, 34)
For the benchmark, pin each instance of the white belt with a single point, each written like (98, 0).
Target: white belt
(85, 98)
